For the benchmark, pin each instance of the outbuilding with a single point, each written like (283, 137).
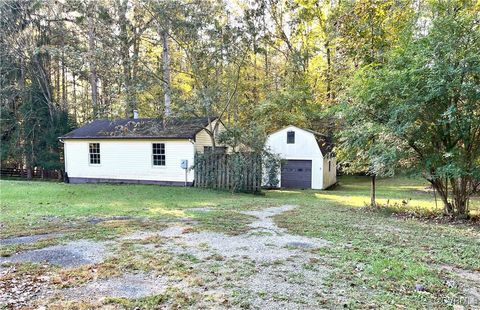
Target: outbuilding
(307, 158)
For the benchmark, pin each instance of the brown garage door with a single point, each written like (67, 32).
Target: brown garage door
(297, 174)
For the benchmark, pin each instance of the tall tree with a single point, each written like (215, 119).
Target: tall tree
(92, 50)
(166, 73)
(27, 97)
(366, 31)
(422, 105)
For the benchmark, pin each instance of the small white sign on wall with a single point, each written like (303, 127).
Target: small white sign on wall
(184, 166)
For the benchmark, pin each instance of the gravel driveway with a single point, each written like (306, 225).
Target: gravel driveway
(265, 268)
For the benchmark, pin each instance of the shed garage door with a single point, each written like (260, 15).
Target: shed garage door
(297, 174)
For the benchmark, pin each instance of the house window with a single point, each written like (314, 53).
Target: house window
(94, 152)
(329, 165)
(290, 137)
(158, 154)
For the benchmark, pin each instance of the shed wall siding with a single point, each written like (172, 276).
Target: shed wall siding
(129, 160)
(304, 148)
(203, 139)
(305, 144)
(329, 177)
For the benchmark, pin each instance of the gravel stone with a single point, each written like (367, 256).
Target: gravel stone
(259, 247)
(264, 220)
(167, 232)
(72, 254)
(96, 220)
(127, 286)
(28, 239)
(300, 245)
(419, 287)
(267, 268)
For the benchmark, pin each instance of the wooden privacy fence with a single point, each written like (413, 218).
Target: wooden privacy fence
(238, 172)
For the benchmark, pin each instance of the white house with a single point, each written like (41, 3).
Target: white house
(307, 157)
(136, 150)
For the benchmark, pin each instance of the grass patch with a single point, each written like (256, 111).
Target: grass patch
(46, 206)
(174, 297)
(22, 270)
(229, 222)
(378, 259)
(8, 250)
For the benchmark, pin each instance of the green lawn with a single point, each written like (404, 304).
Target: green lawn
(377, 257)
(25, 202)
(381, 258)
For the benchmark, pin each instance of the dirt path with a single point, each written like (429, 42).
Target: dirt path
(469, 282)
(265, 268)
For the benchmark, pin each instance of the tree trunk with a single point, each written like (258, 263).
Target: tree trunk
(85, 103)
(64, 83)
(267, 69)
(74, 97)
(442, 189)
(255, 77)
(135, 58)
(448, 205)
(461, 191)
(29, 172)
(105, 98)
(57, 82)
(60, 175)
(460, 195)
(373, 201)
(93, 65)
(166, 75)
(329, 72)
(125, 56)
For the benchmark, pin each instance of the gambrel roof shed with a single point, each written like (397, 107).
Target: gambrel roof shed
(308, 159)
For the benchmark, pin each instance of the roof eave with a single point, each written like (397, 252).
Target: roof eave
(126, 138)
(205, 126)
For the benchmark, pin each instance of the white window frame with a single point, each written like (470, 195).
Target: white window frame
(164, 155)
(90, 153)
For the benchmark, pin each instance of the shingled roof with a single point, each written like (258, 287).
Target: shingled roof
(142, 128)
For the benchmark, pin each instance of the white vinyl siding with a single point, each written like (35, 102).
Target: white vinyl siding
(203, 139)
(129, 159)
(329, 176)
